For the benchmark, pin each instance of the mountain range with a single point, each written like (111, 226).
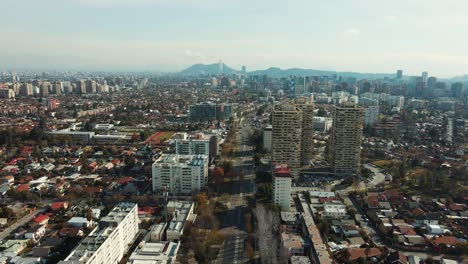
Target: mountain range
(275, 72)
(207, 69)
(213, 69)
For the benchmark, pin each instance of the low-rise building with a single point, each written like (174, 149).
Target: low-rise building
(434, 229)
(182, 211)
(291, 245)
(108, 242)
(163, 252)
(334, 211)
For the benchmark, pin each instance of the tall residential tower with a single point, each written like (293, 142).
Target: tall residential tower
(345, 140)
(287, 136)
(292, 134)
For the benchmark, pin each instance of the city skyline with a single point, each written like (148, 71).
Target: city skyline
(168, 36)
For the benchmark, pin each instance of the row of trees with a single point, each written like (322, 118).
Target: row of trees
(199, 240)
(267, 233)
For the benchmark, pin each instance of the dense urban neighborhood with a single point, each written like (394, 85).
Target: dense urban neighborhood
(215, 165)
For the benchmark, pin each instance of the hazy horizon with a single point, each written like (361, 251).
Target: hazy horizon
(170, 35)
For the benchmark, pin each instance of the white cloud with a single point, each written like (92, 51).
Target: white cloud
(199, 56)
(352, 32)
(145, 3)
(390, 19)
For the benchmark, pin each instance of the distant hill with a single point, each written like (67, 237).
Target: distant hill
(278, 73)
(463, 78)
(207, 69)
(213, 69)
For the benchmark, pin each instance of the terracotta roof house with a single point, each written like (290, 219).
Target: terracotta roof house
(23, 188)
(356, 253)
(41, 219)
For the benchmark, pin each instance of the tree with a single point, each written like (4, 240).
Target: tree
(356, 184)
(89, 214)
(217, 176)
(323, 226)
(268, 225)
(429, 260)
(37, 133)
(322, 112)
(248, 223)
(201, 199)
(227, 166)
(6, 212)
(249, 250)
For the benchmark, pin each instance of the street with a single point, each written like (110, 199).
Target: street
(20, 222)
(232, 220)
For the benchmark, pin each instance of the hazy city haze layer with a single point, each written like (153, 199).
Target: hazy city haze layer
(358, 35)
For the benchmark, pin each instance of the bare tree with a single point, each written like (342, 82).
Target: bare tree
(268, 225)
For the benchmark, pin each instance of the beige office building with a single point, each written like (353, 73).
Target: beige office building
(345, 139)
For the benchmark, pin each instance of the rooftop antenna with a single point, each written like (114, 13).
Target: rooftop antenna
(220, 67)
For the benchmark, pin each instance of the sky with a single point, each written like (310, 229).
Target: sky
(170, 35)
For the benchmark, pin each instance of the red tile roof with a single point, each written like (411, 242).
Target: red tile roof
(406, 230)
(418, 212)
(23, 188)
(40, 218)
(282, 171)
(57, 205)
(124, 180)
(456, 207)
(355, 253)
(446, 240)
(147, 210)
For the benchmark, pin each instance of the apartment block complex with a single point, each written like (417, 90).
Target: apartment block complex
(307, 108)
(287, 134)
(108, 242)
(180, 174)
(210, 112)
(197, 144)
(345, 140)
(292, 134)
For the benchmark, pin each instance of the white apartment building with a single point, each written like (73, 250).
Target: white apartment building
(334, 211)
(197, 144)
(282, 187)
(108, 242)
(371, 115)
(390, 100)
(162, 252)
(192, 146)
(103, 126)
(181, 212)
(322, 124)
(180, 174)
(267, 138)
